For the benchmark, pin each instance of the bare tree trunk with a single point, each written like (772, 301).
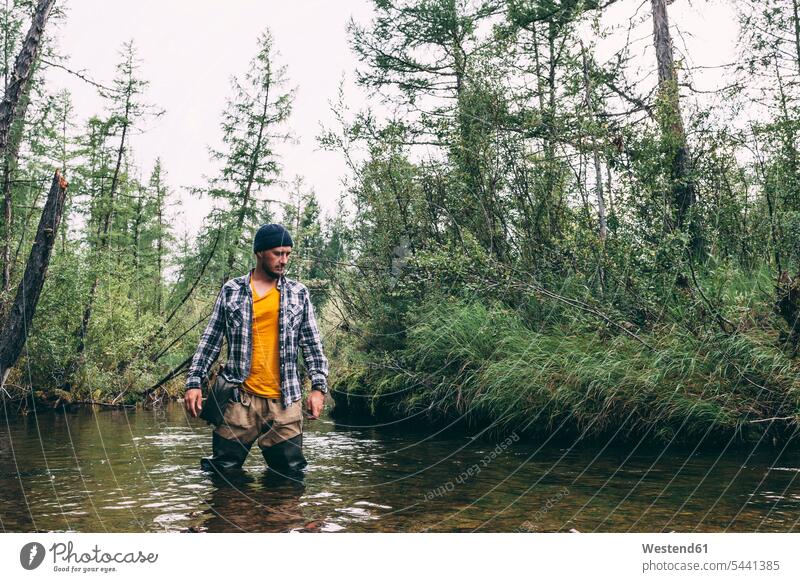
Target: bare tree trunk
(87, 315)
(791, 201)
(9, 165)
(14, 331)
(683, 190)
(137, 228)
(114, 181)
(555, 202)
(159, 243)
(297, 221)
(6, 253)
(16, 87)
(598, 169)
(22, 71)
(137, 235)
(796, 22)
(598, 172)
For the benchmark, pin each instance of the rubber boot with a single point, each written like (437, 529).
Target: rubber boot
(285, 459)
(227, 456)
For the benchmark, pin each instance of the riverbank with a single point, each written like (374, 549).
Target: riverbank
(480, 367)
(20, 399)
(481, 364)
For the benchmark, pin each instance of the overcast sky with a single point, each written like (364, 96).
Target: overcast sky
(190, 49)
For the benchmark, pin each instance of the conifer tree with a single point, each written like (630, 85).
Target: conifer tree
(126, 108)
(252, 126)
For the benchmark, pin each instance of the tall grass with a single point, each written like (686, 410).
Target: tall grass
(480, 361)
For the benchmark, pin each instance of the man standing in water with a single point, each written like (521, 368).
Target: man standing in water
(265, 318)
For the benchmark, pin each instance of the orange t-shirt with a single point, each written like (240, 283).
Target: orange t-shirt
(265, 376)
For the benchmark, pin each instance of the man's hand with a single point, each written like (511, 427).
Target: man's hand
(193, 401)
(314, 404)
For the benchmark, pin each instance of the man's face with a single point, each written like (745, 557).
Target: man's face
(273, 261)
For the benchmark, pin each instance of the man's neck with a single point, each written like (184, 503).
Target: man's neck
(261, 277)
(261, 281)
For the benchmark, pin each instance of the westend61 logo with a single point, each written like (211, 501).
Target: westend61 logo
(66, 559)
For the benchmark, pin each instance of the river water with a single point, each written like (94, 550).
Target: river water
(134, 471)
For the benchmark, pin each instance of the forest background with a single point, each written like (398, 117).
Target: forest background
(547, 223)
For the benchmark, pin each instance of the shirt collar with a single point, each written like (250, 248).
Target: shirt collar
(247, 278)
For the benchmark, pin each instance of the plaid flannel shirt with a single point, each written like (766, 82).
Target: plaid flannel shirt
(233, 318)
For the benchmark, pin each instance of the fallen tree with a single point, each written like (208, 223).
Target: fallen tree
(14, 330)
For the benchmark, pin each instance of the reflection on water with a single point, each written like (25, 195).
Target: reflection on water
(115, 471)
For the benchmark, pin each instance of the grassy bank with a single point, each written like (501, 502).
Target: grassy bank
(481, 362)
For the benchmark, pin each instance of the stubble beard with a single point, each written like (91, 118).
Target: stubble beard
(270, 273)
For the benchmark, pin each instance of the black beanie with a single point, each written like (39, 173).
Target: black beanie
(270, 236)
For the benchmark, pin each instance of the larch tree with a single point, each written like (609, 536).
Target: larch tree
(125, 110)
(422, 58)
(253, 124)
